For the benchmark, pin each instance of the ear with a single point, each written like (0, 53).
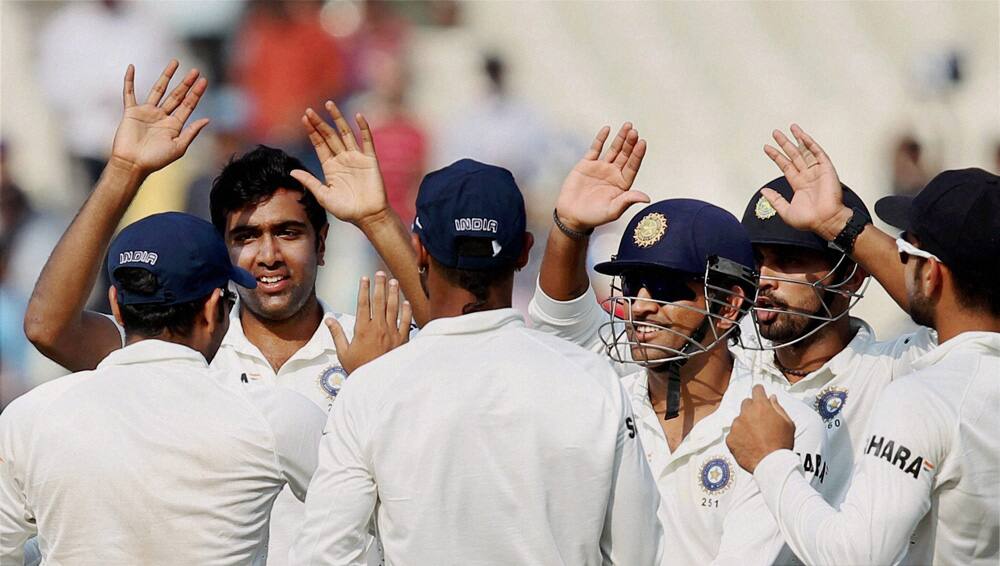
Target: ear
(115, 308)
(522, 260)
(932, 278)
(423, 257)
(730, 313)
(857, 278)
(321, 244)
(210, 311)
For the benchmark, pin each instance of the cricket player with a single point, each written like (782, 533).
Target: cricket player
(684, 276)
(926, 485)
(273, 228)
(807, 343)
(153, 458)
(481, 441)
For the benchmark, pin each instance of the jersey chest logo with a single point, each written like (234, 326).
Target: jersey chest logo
(716, 475)
(331, 380)
(830, 402)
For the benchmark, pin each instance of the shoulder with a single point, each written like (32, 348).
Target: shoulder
(560, 351)
(28, 407)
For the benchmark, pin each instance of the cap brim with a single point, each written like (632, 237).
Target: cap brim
(895, 210)
(242, 278)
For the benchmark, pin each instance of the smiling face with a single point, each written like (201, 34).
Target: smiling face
(275, 242)
(660, 330)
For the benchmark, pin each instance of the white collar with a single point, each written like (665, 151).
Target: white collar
(320, 343)
(970, 340)
(472, 323)
(152, 350)
(841, 363)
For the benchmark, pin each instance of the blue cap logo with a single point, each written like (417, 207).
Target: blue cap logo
(650, 229)
(764, 209)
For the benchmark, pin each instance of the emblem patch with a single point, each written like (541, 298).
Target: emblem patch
(716, 475)
(830, 402)
(764, 210)
(331, 380)
(650, 229)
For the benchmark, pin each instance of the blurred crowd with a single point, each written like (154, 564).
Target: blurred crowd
(266, 61)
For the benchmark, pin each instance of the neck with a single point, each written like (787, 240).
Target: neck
(957, 321)
(167, 336)
(704, 380)
(448, 300)
(810, 354)
(279, 339)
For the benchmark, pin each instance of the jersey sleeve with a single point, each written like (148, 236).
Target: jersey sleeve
(632, 531)
(297, 425)
(17, 521)
(342, 495)
(889, 494)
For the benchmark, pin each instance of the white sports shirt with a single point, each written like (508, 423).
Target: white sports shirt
(712, 513)
(483, 442)
(926, 487)
(152, 458)
(844, 390)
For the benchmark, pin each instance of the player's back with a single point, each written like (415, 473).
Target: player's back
(492, 444)
(150, 459)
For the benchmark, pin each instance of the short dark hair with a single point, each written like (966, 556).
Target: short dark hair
(253, 178)
(477, 282)
(153, 320)
(978, 288)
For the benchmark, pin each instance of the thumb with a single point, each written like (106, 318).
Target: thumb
(777, 201)
(779, 409)
(339, 336)
(308, 181)
(188, 134)
(622, 202)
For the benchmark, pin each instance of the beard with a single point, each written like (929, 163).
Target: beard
(792, 324)
(921, 309)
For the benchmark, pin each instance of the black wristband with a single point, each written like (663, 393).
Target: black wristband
(570, 233)
(844, 242)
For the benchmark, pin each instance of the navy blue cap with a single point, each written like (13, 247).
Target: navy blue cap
(955, 217)
(764, 225)
(185, 253)
(681, 235)
(469, 199)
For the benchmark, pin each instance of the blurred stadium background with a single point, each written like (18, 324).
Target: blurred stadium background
(895, 91)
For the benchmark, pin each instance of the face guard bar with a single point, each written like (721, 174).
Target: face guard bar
(822, 290)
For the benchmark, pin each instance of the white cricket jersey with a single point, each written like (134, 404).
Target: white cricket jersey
(483, 442)
(711, 510)
(926, 487)
(151, 458)
(843, 391)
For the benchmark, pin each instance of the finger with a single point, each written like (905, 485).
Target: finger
(188, 134)
(191, 100)
(617, 143)
(810, 144)
(339, 336)
(180, 91)
(319, 144)
(312, 184)
(364, 313)
(622, 202)
(781, 161)
(392, 304)
(160, 86)
(595, 148)
(378, 298)
(328, 133)
(405, 321)
(790, 150)
(346, 133)
(128, 89)
(777, 201)
(367, 140)
(630, 140)
(634, 162)
(758, 393)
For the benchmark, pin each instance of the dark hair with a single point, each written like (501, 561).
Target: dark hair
(253, 178)
(477, 282)
(977, 288)
(153, 320)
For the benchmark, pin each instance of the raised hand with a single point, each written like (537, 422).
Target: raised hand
(353, 191)
(381, 324)
(596, 191)
(152, 134)
(817, 203)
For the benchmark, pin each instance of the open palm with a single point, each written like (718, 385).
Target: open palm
(152, 135)
(354, 189)
(596, 191)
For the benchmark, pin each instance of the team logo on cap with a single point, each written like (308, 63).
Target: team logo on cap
(716, 475)
(650, 229)
(331, 380)
(830, 402)
(764, 210)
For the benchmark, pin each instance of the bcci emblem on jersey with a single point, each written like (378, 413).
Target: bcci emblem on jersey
(830, 402)
(716, 475)
(331, 380)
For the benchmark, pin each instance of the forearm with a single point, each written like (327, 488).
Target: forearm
(391, 240)
(563, 274)
(55, 321)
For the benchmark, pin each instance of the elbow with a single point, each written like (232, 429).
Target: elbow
(43, 336)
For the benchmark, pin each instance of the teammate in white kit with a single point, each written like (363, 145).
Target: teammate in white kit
(807, 343)
(153, 458)
(272, 226)
(926, 486)
(481, 441)
(687, 276)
